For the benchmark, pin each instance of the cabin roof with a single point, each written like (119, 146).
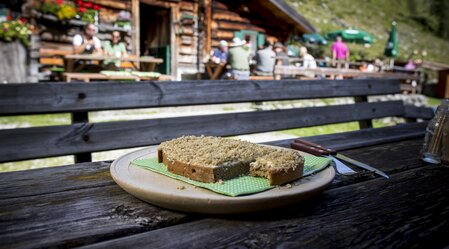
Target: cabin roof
(284, 11)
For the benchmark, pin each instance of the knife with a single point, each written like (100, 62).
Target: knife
(341, 167)
(312, 147)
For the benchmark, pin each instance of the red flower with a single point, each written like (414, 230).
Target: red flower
(5, 29)
(88, 5)
(9, 18)
(59, 1)
(96, 7)
(23, 20)
(82, 9)
(80, 2)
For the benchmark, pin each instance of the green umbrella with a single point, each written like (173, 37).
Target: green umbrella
(391, 49)
(351, 35)
(314, 38)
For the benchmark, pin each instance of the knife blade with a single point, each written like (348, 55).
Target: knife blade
(319, 148)
(340, 166)
(362, 165)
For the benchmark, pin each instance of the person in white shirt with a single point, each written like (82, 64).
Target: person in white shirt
(87, 43)
(307, 61)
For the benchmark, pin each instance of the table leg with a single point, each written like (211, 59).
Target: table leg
(217, 72)
(209, 72)
(151, 67)
(68, 65)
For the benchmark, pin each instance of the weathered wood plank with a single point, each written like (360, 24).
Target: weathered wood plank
(79, 217)
(415, 112)
(61, 97)
(48, 180)
(27, 143)
(411, 209)
(96, 174)
(363, 138)
(82, 211)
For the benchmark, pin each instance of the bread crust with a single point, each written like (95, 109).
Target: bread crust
(202, 173)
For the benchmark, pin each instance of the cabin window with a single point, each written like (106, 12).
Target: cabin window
(256, 39)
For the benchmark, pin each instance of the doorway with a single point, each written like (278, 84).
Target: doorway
(155, 34)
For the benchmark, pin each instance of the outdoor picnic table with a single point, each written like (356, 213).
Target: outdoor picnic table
(80, 205)
(144, 63)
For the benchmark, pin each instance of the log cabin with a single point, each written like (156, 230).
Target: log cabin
(182, 32)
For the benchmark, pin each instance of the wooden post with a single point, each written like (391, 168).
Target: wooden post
(208, 23)
(81, 117)
(135, 31)
(367, 123)
(174, 44)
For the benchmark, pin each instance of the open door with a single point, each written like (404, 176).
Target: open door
(155, 34)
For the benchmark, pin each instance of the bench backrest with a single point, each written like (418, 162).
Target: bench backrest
(82, 137)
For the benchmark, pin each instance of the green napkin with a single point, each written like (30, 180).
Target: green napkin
(234, 187)
(115, 73)
(147, 74)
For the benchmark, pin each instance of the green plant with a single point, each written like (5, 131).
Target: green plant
(12, 30)
(63, 11)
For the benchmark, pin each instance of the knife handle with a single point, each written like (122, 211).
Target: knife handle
(329, 151)
(309, 149)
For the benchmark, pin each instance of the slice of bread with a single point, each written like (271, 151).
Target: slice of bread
(211, 159)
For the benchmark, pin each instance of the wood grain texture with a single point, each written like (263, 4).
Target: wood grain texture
(409, 210)
(363, 138)
(80, 204)
(18, 99)
(26, 143)
(415, 112)
(77, 217)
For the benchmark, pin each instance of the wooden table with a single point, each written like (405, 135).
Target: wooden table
(88, 77)
(80, 205)
(214, 70)
(148, 63)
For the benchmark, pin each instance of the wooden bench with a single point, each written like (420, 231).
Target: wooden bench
(82, 137)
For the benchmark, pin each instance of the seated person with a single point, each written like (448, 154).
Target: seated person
(281, 54)
(87, 43)
(307, 61)
(116, 47)
(220, 55)
(265, 60)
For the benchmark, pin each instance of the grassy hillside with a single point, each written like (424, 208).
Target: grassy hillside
(416, 25)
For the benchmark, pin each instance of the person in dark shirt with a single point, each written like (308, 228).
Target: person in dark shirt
(281, 54)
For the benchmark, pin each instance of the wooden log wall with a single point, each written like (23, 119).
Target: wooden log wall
(52, 34)
(187, 34)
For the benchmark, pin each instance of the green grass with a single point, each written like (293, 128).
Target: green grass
(433, 101)
(375, 17)
(333, 128)
(36, 120)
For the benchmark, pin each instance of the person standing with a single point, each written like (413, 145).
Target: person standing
(265, 60)
(115, 47)
(340, 52)
(238, 60)
(87, 42)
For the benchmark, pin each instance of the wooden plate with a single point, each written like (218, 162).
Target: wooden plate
(173, 194)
